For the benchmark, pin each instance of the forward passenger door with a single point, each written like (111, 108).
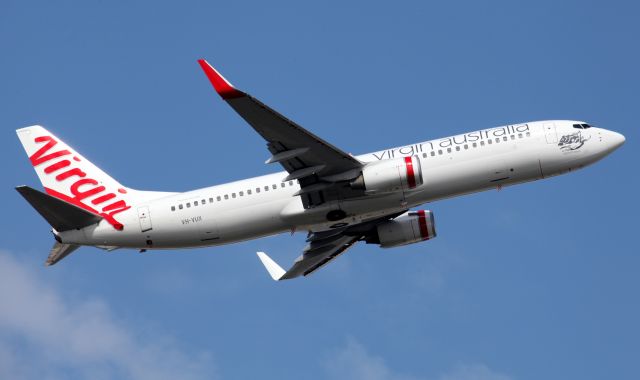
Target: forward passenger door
(550, 133)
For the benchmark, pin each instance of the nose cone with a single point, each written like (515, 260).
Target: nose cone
(618, 139)
(615, 139)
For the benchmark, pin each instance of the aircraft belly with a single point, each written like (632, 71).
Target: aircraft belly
(252, 221)
(444, 181)
(441, 181)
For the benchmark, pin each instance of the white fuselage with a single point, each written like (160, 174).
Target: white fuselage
(266, 205)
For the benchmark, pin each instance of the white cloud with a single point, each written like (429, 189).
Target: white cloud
(45, 336)
(473, 372)
(354, 362)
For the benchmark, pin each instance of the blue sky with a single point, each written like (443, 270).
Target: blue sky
(534, 281)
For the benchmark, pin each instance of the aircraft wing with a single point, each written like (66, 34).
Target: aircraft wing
(308, 158)
(323, 247)
(316, 255)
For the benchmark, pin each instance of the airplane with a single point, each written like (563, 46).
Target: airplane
(338, 198)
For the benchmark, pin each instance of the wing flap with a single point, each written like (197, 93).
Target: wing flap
(325, 255)
(312, 259)
(324, 247)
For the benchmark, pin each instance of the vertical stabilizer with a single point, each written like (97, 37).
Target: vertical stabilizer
(67, 175)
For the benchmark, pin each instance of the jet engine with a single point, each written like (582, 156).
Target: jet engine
(408, 228)
(387, 176)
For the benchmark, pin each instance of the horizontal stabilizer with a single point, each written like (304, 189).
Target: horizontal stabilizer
(61, 215)
(59, 252)
(273, 268)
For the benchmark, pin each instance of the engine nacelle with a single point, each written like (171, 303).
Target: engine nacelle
(411, 227)
(387, 176)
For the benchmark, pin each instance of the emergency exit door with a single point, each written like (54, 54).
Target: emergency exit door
(145, 218)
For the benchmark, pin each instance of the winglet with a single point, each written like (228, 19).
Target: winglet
(273, 268)
(222, 86)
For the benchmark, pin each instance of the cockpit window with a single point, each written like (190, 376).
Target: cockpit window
(585, 126)
(582, 126)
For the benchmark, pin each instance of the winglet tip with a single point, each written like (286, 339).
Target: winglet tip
(221, 85)
(275, 271)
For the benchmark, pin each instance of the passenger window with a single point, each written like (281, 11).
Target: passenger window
(195, 203)
(233, 195)
(274, 186)
(519, 135)
(241, 193)
(466, 146)
(290, 183)
(475, 145)
(497, 139)
(173, 208)
(458, 148)
(257, 189)
(433, 153)
(513, 137)
(266, 188)
(528, 134)
(226, 196)
(249, 192)
(282, 184)
(210, 200)
(219, 198)
(439, 151)
(490, 141)
(482, 143)
(424, 155)
(188, 204)
(504, 138)
(180, 206)
(448, 150)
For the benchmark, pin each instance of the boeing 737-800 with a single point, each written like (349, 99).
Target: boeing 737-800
(338, 198)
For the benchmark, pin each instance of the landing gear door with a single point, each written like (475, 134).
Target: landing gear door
(145, 218)
(550, 133)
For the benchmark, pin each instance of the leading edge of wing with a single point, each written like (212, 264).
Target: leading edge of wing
(291, 145)
(222, 86)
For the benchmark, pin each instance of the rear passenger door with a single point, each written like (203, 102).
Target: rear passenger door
(145, 219)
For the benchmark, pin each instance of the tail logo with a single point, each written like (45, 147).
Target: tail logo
(62, 167)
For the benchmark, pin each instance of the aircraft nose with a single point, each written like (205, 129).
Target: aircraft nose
(616, 139)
